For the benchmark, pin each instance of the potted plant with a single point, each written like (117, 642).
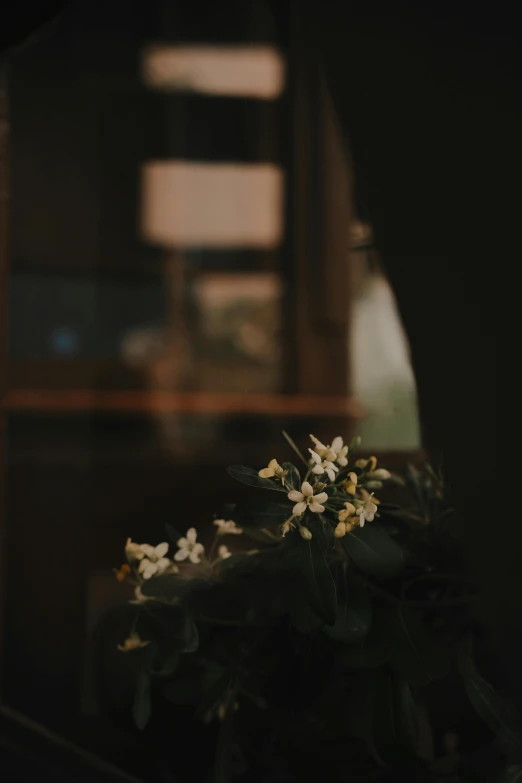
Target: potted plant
(326, 634)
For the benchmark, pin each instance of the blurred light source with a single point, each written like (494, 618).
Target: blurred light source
(64, 341)
(212, 205)
(243, 71)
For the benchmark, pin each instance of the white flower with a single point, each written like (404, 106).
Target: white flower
(274, 470)
(153, 560)
(188, 548)
(224, 552)
(224, 527)
(323, 466)
(132, 642)
(366, 511)
(335, 453)
(133, 551)
(340, 450)
(307, 500)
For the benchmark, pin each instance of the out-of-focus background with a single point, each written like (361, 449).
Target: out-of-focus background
(190, 273)
(192, 268)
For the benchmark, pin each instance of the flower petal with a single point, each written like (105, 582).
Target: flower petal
(331, 474)
(295, 495)
(315, 456)
(306, 489)
(318, 470)
(150, 570)
(198, 550)
(162, 549)
(316, 508)
(183, 543)
(342, 461)
(181, 554)
(299, 509)
(162, 564)
(266, 473)
(318, 443)
(337, 444)
(192, 535)
(322, 497)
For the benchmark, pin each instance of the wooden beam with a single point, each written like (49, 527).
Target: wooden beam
(89, 400)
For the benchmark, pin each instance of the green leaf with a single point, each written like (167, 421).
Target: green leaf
(374, 552)
(354, 444)
(169, 665)
(257, 534)
(501, 716)
(174, 625)
(292, 478)
(396, 721)
(418, 655)
(323, 532)
(259, 513)
(302, 616)
(142, 706)
(338, 500)
(319, 583)
(354, 612)
(171, 586)
(250, 477)
(370, 653)
(184, 691)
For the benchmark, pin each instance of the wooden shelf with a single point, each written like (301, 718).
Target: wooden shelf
(88, 400)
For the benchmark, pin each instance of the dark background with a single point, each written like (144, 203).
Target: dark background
(429, 100)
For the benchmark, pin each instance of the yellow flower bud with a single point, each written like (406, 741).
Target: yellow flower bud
(374, 484)
(371, 464)
(305, 533)
(381, 474)
(340, 530)
(350, 508)
(274, 469)
(122, 572)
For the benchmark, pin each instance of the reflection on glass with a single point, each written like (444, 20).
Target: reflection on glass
(211, 204)
(242, 71)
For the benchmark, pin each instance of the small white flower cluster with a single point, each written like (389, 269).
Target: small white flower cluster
(152, 559)
(148, 561)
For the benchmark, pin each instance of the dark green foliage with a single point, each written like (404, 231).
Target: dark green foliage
(374, 552)
(323, 642)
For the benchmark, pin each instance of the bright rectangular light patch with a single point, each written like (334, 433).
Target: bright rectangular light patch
(212, 205)
(242, 71)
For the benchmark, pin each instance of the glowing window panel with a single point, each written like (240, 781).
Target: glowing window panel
(212, 205)
(242, 71)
